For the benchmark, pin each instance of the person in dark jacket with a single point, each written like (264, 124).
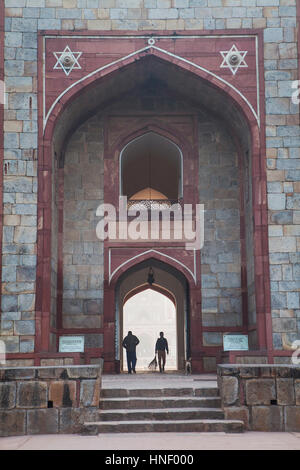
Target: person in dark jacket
(160, 348)
(130, 343)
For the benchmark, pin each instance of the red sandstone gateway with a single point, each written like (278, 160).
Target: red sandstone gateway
(157, 118)
(173, 114)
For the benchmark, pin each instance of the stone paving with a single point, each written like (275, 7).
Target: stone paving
(156, 441)
(157, 380)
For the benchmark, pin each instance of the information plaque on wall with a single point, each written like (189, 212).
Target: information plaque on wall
(235, 342)
(71, 344)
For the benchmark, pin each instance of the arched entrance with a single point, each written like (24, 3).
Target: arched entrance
(168, 312)
(146, 313)
(146, 96)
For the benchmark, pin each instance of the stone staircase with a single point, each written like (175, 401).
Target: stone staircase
(161, 410)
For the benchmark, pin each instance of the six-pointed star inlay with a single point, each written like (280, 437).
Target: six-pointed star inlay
(233, 59)
(67, 60)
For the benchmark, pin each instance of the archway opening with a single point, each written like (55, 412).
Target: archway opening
(151, 169)
(146, 314)
(145, 309)
(84, 159)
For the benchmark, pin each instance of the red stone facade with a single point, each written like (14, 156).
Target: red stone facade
(196, 54)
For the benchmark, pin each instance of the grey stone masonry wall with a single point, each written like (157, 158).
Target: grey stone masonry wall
(219, 190)
(82, 250)
(48, 400)
(265, 397)
(24, 18)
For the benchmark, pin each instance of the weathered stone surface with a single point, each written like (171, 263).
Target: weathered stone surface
(7, 395)
(237, 413)
(19, 373)
(42, 421)
(83, 372)
(267, 418)
(292, 418)
(260, 391)
(72, 419)
(229, 390)
(12, 423)
(63, 393)
(89, 393)
(285, 391)
(32, 395)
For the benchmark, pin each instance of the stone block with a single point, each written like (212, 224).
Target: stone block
(82, 372)
(72, 419)
(27, 303)
(247, 372)
(42, 421)
(284, 325)
(25, 235)
(25, 327)
(229, 390)
(26, 273)
(12, 423)
(7, 395)
(292, 418)
(282, 244)
(237, 413)
(267, 418)
(260, 391)
(285, 391)
(26, 345)
(89, 393)
(92, 307)
(63, 393)
(229, 280)
(11, 344)
(32, 394)
(276, 202)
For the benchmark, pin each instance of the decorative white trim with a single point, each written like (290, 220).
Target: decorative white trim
(256, 115)
(194, 275)
(215, 76)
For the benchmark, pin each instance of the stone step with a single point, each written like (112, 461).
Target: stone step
(196, 425)
(159, 415)
(159, 402)
(158, 392)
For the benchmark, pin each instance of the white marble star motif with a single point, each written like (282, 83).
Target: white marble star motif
(67, 60)
(233, 59)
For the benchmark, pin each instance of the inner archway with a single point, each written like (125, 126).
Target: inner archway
(151, 168)
(146, 313)
(169, 297)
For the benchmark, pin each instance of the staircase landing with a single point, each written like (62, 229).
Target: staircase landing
(153, 380)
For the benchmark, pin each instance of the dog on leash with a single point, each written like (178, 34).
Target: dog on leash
(188, 366)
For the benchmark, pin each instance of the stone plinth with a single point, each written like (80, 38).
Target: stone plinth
(266, 397)
(48, 400)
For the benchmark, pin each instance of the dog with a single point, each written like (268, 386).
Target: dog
(188, 366)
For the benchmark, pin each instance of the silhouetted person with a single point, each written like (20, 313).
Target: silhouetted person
(160, 348)
(130, 343)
